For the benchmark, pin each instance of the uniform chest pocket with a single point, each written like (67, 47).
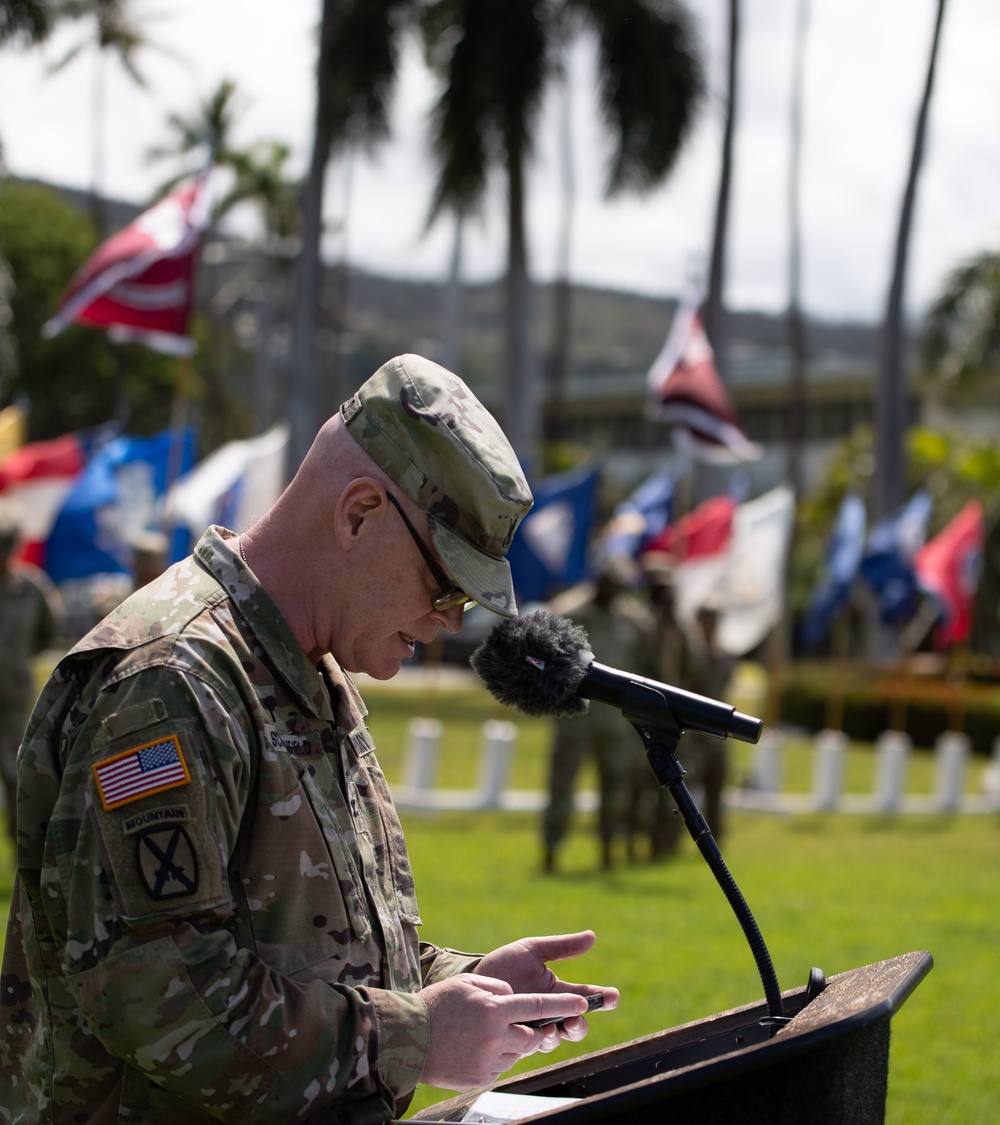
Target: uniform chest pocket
(301, 879)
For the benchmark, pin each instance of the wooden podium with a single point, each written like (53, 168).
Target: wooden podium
(828, 1066)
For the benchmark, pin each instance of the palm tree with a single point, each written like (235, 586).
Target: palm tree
(496, 57)
(204, 135)
(25, 22)
(962, 330)
(557, 366)
(262, 180)
(358, 57)
(891, 392)
(115, 32)
(795, 433)
(714, 313)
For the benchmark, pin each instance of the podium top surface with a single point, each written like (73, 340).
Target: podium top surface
(718, 1047)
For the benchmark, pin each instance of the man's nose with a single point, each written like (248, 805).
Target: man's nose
(450, 619)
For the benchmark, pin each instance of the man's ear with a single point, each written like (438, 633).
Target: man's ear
(362, 499)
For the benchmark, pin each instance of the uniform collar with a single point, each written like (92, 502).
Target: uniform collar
(218, 553)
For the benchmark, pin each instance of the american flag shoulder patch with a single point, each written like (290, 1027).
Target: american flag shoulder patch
(140, 772)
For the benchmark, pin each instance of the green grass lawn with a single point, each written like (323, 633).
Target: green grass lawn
(835, 891)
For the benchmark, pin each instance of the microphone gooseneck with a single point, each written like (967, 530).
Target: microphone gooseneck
(542, 666)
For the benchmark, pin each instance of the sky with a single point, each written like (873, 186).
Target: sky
(865, 65)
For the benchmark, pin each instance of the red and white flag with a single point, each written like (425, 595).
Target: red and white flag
(948, 568)
(35, 480)
(139, 285)
(699, 546)
(686, 392)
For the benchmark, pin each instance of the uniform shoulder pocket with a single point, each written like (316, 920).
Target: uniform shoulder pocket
(152, 808)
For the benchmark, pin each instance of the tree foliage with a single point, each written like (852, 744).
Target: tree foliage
(76, 379)
(25, 22)
(206, 132)
(961, 346)
(494, 59)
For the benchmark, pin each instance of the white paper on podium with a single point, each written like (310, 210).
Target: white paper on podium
(496, 1107)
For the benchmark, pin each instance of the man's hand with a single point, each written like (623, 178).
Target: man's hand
(477, 1028)
(522, 964)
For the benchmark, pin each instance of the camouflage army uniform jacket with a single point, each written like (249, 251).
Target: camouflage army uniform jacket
(214, 916)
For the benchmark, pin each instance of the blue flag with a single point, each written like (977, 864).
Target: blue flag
(640, 517)
(549, 550)
(888, 561)
(117, 495)
(843, 558)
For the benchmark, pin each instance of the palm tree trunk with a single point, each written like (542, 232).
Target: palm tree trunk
(452, 304)
(263, 388)
(779, 645)
(891, 405)
(562, 291)
(519, 382)
(302, 419)
(98, 124)
(714, 313)
(795, 433)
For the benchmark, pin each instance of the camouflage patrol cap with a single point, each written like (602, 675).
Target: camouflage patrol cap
(435, 439)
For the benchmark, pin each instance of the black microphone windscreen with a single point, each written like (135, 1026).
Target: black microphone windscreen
(535, 663)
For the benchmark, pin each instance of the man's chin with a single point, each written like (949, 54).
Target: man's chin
(384, 668)
(383, 674)
(381, 661)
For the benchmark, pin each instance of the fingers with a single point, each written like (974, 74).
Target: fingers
(573, 1029)
(610, 997)
(561, 947)
(547, 1020)
(489, 984)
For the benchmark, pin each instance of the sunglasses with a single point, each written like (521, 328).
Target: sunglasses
(450, 596)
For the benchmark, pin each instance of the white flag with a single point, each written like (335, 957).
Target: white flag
(754, 583)
(232, 486)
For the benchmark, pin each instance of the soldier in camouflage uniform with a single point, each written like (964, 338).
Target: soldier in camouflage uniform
(705, 670)
(620, 629)
(214, 916)
(29, 622)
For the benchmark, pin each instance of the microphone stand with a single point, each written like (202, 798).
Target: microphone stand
(660, 740)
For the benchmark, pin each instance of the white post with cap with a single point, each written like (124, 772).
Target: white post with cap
(831, 749)
(952, 754)
(496, 752)
(422, 748)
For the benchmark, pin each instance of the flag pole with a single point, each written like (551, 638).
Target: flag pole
(840, 651)
(178, 427)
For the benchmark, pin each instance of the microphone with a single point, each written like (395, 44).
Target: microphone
(542, 666)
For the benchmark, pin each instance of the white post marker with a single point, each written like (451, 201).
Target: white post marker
(768, 764)
(496, 751)
(831, 746)
(952, 754)
(423, 745)
(892, 748)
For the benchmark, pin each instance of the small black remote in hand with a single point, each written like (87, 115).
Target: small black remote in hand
(594, 1001)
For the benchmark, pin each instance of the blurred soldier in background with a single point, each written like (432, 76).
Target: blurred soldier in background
(654, 814)
(619, 628)
(705, 670)
(150, 555)
(29, 622)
